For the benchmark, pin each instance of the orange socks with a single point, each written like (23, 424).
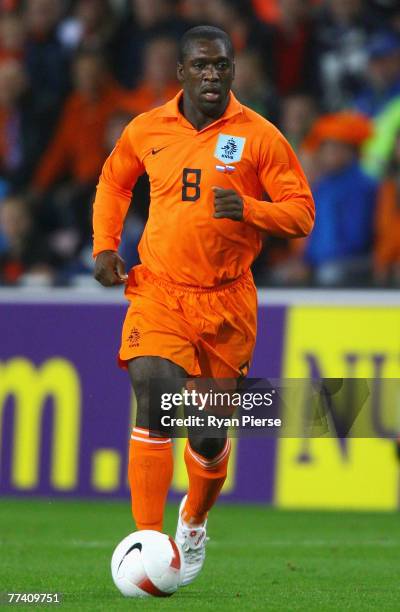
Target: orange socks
(150, 475)
(206, 477)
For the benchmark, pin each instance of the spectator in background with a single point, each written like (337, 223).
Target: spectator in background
(290, 54)
(196, 12)
(22, 249)
(338, 251)
(299, 111)
(237, 19)
(91, 26)
(395, 19)
(12, 37)
(378, 149)
(381, 99)
(266, 11)
(251, 86)
(45, 58)
(387, 225)
(13, 85)
(21, 127)
(269, 10)
(8, 6)
(115, 125)
(148, 19)
(159, 83)
(152, 13)
(382, 74)
(384, 11)
(76, 152)
(342, 31)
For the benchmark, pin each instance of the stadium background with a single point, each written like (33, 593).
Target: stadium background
(71, 75)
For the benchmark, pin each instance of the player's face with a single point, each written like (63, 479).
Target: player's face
(206, 75)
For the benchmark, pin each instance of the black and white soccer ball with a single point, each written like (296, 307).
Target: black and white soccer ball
(147, 563)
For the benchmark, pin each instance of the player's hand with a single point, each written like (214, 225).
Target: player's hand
(109, 269)
(227, 204)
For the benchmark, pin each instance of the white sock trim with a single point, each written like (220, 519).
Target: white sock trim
(151, 441)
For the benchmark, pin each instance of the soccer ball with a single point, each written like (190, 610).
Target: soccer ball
(147, 563)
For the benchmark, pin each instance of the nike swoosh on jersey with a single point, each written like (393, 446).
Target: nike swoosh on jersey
(155, 151)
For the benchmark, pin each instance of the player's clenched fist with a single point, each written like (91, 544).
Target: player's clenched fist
(227, 204)
(109, 269)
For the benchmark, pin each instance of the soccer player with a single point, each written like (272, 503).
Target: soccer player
(220, 175)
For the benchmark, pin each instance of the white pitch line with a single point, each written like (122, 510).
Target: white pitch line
(308, 543)
(90, 544)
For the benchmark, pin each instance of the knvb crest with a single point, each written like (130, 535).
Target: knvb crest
(229, 148)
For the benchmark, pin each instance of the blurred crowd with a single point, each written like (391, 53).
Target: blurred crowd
(74, 73)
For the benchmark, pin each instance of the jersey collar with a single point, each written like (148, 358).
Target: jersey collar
(171, 109)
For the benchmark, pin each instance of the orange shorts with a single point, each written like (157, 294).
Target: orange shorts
(209, 332)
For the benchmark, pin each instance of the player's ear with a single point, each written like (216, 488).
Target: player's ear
(179, 72)
(233, 71)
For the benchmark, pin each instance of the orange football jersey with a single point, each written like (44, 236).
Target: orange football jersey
(182, 242)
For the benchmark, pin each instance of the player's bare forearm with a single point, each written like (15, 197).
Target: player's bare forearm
(228, 204)
(109, 269)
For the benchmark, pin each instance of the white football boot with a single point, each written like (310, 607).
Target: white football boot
(192, 541)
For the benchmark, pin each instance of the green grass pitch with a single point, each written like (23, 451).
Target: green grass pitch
(257, 558)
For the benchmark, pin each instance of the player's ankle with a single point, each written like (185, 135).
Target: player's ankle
(194, 521)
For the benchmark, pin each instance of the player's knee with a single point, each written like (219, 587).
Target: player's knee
(140, 385)
(143, 372)
(207, 447)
